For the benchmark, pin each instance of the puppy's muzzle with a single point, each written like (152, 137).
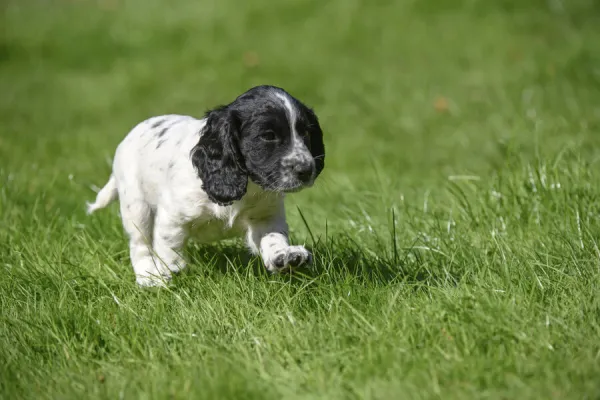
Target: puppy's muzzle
(304, 172)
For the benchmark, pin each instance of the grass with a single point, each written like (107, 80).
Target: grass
(455, 227)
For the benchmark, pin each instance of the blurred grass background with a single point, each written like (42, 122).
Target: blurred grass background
(455, 225)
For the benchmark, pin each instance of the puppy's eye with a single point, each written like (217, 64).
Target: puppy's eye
(268, 136)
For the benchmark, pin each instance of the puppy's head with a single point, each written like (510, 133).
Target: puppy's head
(265, 135)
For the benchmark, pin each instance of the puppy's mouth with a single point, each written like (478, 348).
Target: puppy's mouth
(294, 189)
(288, 186)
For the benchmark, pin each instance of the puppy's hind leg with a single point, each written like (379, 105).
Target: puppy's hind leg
(138, 221)
(105, 196)
(169, 240)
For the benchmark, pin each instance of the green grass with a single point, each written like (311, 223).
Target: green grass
(455, 227)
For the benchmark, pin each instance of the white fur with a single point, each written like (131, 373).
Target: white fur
(162, 204)
(299, 153)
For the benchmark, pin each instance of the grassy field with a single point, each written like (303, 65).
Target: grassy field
(455, 227)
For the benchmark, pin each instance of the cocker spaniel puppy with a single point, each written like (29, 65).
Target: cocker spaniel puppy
(218, 177)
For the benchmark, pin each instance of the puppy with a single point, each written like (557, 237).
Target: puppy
(218, 177)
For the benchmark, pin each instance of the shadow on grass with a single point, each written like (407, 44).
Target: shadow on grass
(223, 258)
(334, 259)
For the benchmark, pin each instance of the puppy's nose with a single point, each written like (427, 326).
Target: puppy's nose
(304, 172)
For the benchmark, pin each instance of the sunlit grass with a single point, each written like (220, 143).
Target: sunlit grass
(455, 228)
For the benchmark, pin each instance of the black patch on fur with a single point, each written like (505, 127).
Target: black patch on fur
(171, 164)
(158, 123)
(160, 143)
(161, 133)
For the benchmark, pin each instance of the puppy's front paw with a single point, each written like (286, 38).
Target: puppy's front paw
(289, 258)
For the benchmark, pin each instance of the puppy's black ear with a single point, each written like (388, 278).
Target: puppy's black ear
(317, 147)
(218, 160)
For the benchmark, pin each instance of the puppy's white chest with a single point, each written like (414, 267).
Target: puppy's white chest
(206, 230)
(219, 223)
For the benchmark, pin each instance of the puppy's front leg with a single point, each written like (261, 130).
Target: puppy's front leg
(269, 238)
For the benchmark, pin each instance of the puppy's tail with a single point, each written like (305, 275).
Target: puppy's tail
(105, 196)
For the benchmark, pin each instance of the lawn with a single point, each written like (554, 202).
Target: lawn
(455, 227)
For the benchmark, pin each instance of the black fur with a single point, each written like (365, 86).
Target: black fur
(314, 141)
(158, 123)
(218, 160)
(250, 138)
(161, 133)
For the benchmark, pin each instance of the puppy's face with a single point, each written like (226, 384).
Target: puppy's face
(281, 141)
(265, 135)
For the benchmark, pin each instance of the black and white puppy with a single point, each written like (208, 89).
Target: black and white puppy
(218, 177)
